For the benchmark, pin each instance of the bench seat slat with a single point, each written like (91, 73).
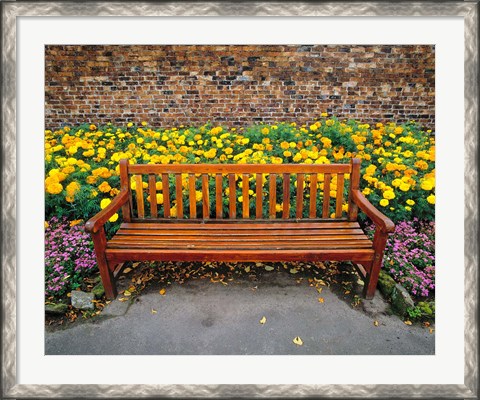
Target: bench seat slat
(237, 246)
(233, 238)
(355, 255)
(241, 233)
(235, 225)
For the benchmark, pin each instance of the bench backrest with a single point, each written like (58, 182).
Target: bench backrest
(239, 191)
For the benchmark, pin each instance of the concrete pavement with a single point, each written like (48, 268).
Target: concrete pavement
(200, 317)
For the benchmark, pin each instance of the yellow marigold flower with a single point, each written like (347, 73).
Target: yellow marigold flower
(313, 127)
(329, 122)
(54, 188)
(408, 208)
(72, 149)
(130, 124)
(72, 188)
(104, 187)
(284, 145)
(396, 182)
(278, 207)
(287, 153)
(388, 194)
(113, 218)
(265, 131)
(92, 127)
(390, 166)
(144, 123)
(426, 185)
(75, 222)
(140, 140)
(431, 199)
(91, 179)
(384, 202)
(404, 187)
(366, 191)
(297, 157)
(410, 202)
(104, 203)
(159, 198)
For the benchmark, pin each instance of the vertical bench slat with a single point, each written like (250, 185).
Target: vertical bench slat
(205, 197)
(246, 197)
(340, 183)
(179, 195)
(286, 196)
(152, 188)
(300, 180)
(166, 196)
(272, 198)
(139, 192)
(232, 196)
(191, 195)
(125, 185)
(326, 196)
(313, 195)
(218, 196)
(259, 194)
(354, 185)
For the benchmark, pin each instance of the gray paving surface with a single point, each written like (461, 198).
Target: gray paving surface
(201, 317)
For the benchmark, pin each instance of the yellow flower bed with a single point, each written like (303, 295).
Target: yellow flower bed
(398, 168)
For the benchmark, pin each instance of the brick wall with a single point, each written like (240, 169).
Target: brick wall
(238, 85)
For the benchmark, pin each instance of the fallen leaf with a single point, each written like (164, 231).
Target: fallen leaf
(127, 270)
(319, 290)
(426, 324)
(375, 323)
(268, 268)
(431, 330)
(122, 299)
(346, 292)
(247, 269)
(127, 293)
(321, 300)
(258, 264)
(162, 292)
(320, 282)
(263, 320)
(408, 322)
(153, 311)
(298, 341)
(135, 265)
(293, 271)
(69, 294)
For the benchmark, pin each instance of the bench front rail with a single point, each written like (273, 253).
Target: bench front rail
(240, 212)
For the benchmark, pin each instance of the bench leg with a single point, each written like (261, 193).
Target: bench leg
(379, 242)
(108, 280)
(372, 279)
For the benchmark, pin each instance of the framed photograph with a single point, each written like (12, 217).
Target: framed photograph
(35, 35)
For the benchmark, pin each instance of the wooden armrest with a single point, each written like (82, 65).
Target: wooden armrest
(382, 221)
(96, 222)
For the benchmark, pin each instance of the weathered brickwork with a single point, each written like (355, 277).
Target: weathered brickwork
(238, 85)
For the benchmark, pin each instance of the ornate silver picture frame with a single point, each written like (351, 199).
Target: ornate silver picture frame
(12, 10)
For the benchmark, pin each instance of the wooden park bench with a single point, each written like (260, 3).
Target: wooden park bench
(194, 212)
